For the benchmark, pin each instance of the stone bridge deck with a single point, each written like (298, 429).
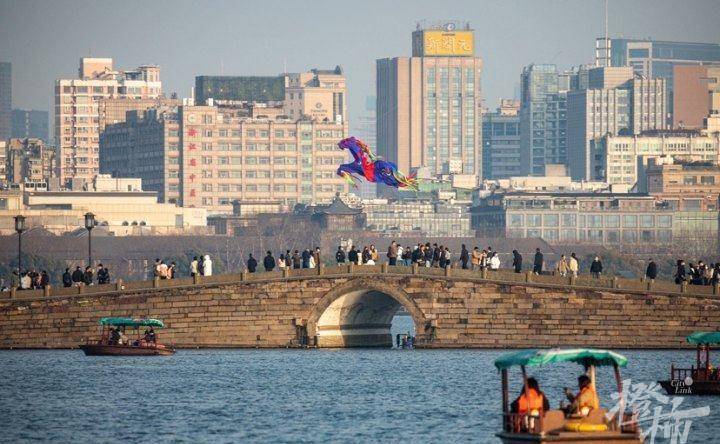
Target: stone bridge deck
(350, 305)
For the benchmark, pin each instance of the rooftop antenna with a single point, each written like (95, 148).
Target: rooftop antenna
(607, 40)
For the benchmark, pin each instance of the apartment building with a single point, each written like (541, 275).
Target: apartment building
(78, 111)
(208, 156)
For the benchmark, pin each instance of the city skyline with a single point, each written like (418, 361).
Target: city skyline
(300, 38)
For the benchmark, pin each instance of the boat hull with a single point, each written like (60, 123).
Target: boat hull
(570, 438)
(125, 350)
(678, 387)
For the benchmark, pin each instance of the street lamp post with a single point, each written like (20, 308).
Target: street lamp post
(19, 227)
(89, 225)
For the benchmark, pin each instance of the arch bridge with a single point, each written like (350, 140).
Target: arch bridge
(353, 306)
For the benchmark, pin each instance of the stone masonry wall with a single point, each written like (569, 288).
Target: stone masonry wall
(448, 312)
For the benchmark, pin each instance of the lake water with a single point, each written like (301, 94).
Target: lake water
(285, 395)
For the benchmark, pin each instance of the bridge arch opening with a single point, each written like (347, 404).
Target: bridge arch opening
(361, 314)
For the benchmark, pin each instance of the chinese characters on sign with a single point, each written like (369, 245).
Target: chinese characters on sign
(440, 43)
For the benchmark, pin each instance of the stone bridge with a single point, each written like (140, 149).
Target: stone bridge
(349, 306)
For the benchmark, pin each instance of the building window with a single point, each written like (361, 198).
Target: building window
(516, 220)
(629, 221)
(647, 221)
(551, 220)
(534, 220)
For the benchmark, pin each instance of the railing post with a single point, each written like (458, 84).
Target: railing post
(414, 268)
(483, 273)
(47, 290)
(448, 271)
(286, 272)
(615, 282)
(80, 288)
(119, 285)
(683, 287)
(716, 288)
(351, 268)
(528, 276)
(572, 279)
(650, 284)
(320, 269)
(244, 276)
(13, 292)
(197, 279)
(383, 268)
(156, 282)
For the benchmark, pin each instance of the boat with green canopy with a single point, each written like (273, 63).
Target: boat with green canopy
(114, 341)
(529, 419)
(701, 378)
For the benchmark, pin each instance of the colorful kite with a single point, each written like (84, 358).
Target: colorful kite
(365, 164)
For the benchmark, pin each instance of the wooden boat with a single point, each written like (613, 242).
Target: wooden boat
(552, 426)
(113, 341)
(701, 378)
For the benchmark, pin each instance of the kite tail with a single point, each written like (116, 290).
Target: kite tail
(410, 182)
(349, 179)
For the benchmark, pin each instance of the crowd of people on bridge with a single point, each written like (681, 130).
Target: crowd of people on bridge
(697, 274)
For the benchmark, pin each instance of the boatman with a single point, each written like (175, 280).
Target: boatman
(586, 400)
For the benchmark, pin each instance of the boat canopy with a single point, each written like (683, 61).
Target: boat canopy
(584, 356)
(132, 322)
(704, 337)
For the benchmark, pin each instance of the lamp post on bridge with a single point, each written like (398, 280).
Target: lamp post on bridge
(19, 227)
(89, 225)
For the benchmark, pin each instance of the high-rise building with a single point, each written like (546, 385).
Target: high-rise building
(364, 127)
(543, 118)
(208, 156)
(656, 59)
(694, 87)
(319, 95)
(77, 107)
(30, 123)
(429, 105)
(501, 141)
(29, 161)
(616, 103)
(5, 100)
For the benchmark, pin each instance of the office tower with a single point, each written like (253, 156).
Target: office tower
(501, 141)
(5, 100)
(365, 129)
(30, 123)
(77, 111)
(694, 88)
(543, 117)
(429, 105)
(209, 156)
(615, 103)
(657, 59)
(319, 95)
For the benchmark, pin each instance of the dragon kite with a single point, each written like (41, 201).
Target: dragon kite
(365, 164)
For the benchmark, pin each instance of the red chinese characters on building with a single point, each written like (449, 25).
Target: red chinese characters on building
(192, 132)
(192, 193)
(192, 177)
(193, 162)
(192, 147)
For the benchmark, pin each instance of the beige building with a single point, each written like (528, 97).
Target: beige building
(619, 159)
(318, 95)
(78, 111)
(29, 160)
(207, 156)
(429, 105)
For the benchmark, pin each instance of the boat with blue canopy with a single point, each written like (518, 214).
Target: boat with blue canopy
(115, 342)
(531, 420)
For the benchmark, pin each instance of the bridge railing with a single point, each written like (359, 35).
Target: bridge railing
(503, 276)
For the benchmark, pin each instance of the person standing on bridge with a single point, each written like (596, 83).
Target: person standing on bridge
(296, 261)
(392, 254)
(353, 255)
(78, 277)
(269, 261)
(596, 267)
(251, 264)
(67, 278)
(573, 265)
(316, 256)
(207, 266)
(538, 262)
(194, 267)
(652, 270)
(464, 257)
(517, 261)
(340, 255)
(306, 258)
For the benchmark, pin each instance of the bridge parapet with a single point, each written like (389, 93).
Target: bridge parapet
(503, 276)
